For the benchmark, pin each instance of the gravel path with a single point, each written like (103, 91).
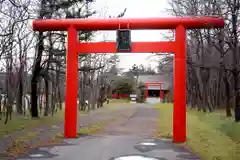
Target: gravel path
(139, 119)
(128, 137)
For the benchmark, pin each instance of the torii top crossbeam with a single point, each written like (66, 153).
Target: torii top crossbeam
(196, 22)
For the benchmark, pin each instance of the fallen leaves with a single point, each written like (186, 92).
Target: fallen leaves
(20, 145)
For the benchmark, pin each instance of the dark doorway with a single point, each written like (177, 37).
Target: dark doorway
(154, 93)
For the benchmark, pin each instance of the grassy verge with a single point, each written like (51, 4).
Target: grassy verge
(85, 131)
(211, 135)
(19, 123)
(119, 101)
(24, 123)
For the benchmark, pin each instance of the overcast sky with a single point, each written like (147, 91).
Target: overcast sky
(135, 8)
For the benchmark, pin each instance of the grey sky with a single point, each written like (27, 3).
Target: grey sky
(135, 8)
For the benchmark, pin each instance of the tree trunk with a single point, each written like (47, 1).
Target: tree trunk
(47, 97)
(53, 103)
(20, 96)
(237, 112)
(40, 101)
(235, 49)
(37, 67)
(58, 88)
(237, 96)
(228, 108)
(34, 80)
(0, 106)
(34, 99)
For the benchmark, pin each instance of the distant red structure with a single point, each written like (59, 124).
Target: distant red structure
(180, 24)
(154, 84)
(120, 96)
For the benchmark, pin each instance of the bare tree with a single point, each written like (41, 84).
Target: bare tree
(212, 56)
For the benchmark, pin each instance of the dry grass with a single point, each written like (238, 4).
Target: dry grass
(210, 135)
(118, 101)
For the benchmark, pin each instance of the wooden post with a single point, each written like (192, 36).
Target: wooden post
(70, 123)
(179, 112)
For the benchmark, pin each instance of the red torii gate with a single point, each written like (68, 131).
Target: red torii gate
(147, 84)
(74, 47)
